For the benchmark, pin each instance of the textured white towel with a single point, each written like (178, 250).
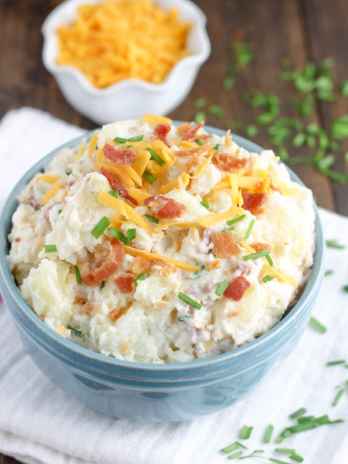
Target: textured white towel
(41, 424)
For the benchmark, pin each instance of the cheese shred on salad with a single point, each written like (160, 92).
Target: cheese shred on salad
(158, 243)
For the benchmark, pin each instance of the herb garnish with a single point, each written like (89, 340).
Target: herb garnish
(245, 432)
(235, 220)
(149, 177)
(259, 254)
(267, 278)
(334, 244)
(249, 229)
(341, 390)
(151, 218)
(328, 272)
(221, 287)
(100, 227)
(155, 157)
(205, 204)
(114, 193)
(317, 325)
(190, 301)
(125, 238)
(267, 435)
(136, 138)
(78, 275)
(50, 248)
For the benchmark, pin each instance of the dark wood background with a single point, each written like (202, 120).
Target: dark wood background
(300, 30)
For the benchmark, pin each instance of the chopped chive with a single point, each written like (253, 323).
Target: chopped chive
(267, 435)
(200, 142)
(152, 219)
(136, 138)
(149, 177)
(216, 147)
(200, 103)
(75, 332)
(233, 221)
(258, 255)
(200, 117)
(114, 193)
(155, 157)
(245, 432)
(205, 204)
(216, 111)
(125, 238)
(340, 392)
(334, 244)
(78, 275)
(345, 288)
(277, 461)
(298, 413)
(328, 273)
(50, 248)
(267, 278)
(335, 362)
(100, 227)
(249, 229)
(232, 447)
(236, 455)
(221, 287)
(317, 325)
(190, 301)
(141, 276)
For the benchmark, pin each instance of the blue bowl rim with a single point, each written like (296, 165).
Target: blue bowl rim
(256, 344)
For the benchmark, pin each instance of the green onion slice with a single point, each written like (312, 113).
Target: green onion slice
(258, 255)
(50, 248)
(141, 276)
(156, 157)
(267, 435)
(136, 138)
(245, 432)
(100, 227)
(249, 229)
(221, 287)
(317, 325)
(149, 177)
(190, 301)
(152, 219)
(234, 221)
(78, 275)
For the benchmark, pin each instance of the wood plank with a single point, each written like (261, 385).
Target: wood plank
(275, 32)
(326, 26)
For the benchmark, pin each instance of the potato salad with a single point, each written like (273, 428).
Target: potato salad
(157, 243)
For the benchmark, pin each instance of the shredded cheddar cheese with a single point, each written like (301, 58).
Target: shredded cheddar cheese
(51, 192)
(156, 257)
(116, 40)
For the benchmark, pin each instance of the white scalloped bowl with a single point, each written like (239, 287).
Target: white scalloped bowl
(130, 98)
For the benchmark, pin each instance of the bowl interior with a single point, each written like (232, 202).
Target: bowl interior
(8, 280)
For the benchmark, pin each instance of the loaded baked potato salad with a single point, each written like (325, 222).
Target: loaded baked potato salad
(156, 243)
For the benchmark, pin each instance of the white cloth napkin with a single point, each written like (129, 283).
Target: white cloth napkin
(40, 424)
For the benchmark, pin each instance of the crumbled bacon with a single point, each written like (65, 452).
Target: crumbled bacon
(116, 313)
(253, 201)
(125, 283)
(102, 263)
(119, 155)
(224, 245)
(116, 184)
(229, 163)
(237, 288)
(165, 208)
(161, 131)
(188, 131)
(258, 246)
(140, 265)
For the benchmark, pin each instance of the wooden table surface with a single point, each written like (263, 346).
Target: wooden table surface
(299, 30)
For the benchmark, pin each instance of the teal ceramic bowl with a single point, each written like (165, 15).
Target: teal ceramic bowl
(148, 392)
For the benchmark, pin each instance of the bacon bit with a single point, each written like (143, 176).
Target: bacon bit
(87, 309)
(213, 265)
(237, 288)
(104, 262)
(116, 313)
(161, 131)
(124, 348)
(119, 155)
(116, 184)
(174, 315)
(140, 265)
(228, 162)
(253, 201)
(164, 208)
(125, 283)
(80, 300)
(261, 246)
(224, 245)
(188, 131)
